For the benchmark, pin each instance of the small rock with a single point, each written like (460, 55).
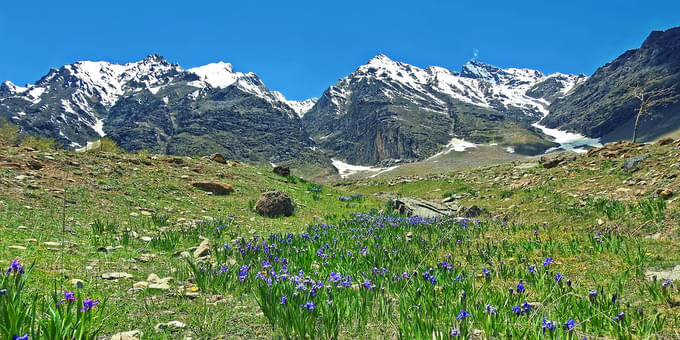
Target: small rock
(146, 257)
(600, 221)
(140, 285)
(146, 213)
(35, 165)
(159, 286)
(218, 158)
(472, 211)
(282, 170)
(52, 244)
(214, 188)
(145, 239)
(448, 199)
(203, 249)
(116, 275)
(171, 326)
(631, 164)
(664, 193)
(78, 283)
(130, 335)
(671, 274)
(17, 247)
(664, 141)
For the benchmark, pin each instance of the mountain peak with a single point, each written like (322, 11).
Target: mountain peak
(663, 39)
(218, 74)
(154, 58)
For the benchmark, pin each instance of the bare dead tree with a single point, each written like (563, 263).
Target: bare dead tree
(649, 99)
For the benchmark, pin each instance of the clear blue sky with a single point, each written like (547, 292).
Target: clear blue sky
(301, 47)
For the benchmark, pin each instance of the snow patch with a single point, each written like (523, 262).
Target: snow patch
(345, 170)
(568, 140)
(218, 74)
(455, 144)
(510, 149)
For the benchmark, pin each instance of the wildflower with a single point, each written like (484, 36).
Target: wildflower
(548, 325)
(517, 310)
(454, 333)
(614, 298)
(88, 304)
(432, 279)
(491, 310)
(520, 288)
(486, 272)
(309, 305)
(592, 294)
(68, 296)
(548, 261)
(3, 291)
(367, 284)
(558, 277)
(15, 267)
(463, 314)
(667, 283)
(284, 300)
(526, 307)
(23, 337)
(619, 316)
(535, 232)
(569, 325)
(532, 270)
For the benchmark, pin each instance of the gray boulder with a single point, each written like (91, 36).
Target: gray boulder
(412, 206)
(274, 204)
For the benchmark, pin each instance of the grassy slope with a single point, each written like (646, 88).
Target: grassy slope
(120, 188)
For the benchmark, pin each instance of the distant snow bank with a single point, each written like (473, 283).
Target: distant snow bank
(345, 170)
(568, 140)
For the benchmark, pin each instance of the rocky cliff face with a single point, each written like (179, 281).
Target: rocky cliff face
(604, 105)
(387, 111)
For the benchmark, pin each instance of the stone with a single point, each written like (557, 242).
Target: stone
(145, 238)
(274, 204)
(140, 285)
(449, 199)
(129, 335)
(214, 187)
(116, 276)
(664, 141)
(670, 274)
(160, 286)
(171, 326)
(470, 212)
(218, 158)
(632, 163)
(78, 283)
(35, 165)
(282, 170)
(144, 258)
(664, 193)
(203, 249)
(17, 247)
(412, 206)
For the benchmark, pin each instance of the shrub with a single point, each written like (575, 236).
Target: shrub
(9, 133)
(40, 143)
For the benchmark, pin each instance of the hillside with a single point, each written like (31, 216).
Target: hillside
(111, 220)
(605, 106)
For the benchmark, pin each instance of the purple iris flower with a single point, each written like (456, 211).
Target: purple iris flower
(88, 304)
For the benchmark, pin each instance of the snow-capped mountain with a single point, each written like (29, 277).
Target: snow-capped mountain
(387, 110)
(383, 111)
(71, 103)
